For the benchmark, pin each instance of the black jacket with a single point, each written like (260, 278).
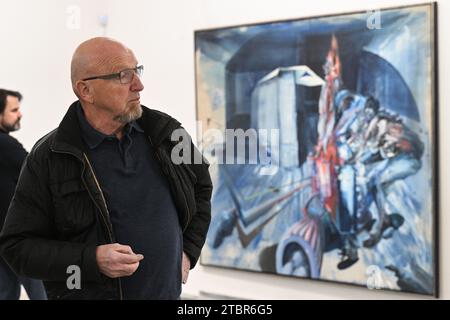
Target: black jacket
(58, 215)
(12, 155)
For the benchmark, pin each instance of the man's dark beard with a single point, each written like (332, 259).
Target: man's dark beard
(10, 128)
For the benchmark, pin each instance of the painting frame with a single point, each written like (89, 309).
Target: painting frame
(433, 132)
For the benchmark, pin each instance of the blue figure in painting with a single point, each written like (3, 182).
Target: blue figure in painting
(392, 152)
(349, 107)
(375, 149)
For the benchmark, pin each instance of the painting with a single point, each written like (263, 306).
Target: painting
(321, 138)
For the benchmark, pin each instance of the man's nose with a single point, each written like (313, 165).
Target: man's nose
(137, 85)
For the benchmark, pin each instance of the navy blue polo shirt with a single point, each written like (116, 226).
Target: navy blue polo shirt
(141, 208)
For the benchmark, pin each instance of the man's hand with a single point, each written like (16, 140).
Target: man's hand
(185, 266)
(116, 260)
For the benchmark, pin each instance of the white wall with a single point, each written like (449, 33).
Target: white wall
(160, 32)
(37, 42)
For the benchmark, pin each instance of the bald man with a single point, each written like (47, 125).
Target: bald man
(101, 211)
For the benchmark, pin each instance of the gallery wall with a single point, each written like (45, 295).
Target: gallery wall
(39, 38)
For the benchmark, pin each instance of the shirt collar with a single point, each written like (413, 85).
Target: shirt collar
(136, 126)
(93, 137)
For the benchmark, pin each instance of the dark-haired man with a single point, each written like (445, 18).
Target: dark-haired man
(12, 155)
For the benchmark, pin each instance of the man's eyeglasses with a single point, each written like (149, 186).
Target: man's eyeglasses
(125, 76)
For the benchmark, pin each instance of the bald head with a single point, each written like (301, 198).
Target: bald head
(96, 56)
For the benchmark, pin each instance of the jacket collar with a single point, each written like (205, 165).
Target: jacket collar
(157, 125)
(93, 137)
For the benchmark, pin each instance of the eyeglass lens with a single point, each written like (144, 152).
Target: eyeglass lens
(126, 76)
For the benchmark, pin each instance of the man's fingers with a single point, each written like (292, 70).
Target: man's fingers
(116, 260)
(123, 249)
(185, 276)
(124, 270)
(129, 258)
(129, 269)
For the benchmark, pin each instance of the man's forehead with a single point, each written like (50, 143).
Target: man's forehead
(119, 62)
(120, 65)
(12, 101)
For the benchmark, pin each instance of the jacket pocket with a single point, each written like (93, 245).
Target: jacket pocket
(186, 181)
(74, 212)
(189, 172)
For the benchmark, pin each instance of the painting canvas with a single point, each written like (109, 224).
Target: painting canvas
(320, 133)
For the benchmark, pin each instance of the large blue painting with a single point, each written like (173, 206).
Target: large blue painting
(340, 111)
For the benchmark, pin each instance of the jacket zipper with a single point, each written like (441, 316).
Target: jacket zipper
(105, 219)
(167, 175)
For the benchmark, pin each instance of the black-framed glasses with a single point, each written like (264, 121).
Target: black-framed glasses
(125, 76)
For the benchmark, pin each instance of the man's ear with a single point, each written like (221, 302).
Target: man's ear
(85, 91)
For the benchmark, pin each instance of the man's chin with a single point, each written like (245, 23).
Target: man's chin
(12, 128)
(134, 114)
